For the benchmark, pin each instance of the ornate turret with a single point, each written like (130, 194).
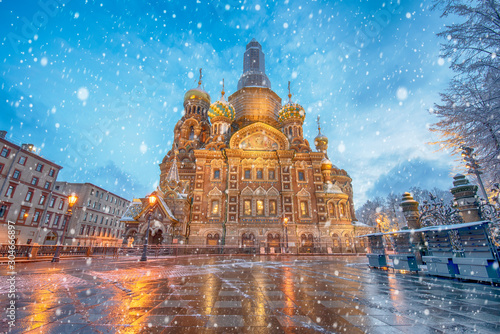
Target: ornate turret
(254, 101)
(221, 115)
(321, 141)
(254, 67)
(196, 101)
(291, 118)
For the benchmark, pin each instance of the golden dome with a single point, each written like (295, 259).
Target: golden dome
(291, 110)
(197, 94)
(326, 164)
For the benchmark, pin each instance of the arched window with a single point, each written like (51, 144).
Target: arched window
(342, 210)
(260, 207)
(331, 210)
(191, 133)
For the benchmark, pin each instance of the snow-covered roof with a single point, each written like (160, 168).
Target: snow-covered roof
(132, 211)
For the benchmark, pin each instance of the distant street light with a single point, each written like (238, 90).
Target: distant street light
(473, 167)
(71, 201)
(378, 224)
(152, 201)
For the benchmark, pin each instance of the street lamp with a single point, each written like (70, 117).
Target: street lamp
(71, 201)
(378, 224)
(473, 166)
(152, 201)
(285, 223)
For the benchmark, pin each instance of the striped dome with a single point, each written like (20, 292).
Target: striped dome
(221, 108)
(291, 110)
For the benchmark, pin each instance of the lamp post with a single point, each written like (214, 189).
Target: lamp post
(71, 201)
(285, 223)
(152, 201)
(473, 166)
(378, 224)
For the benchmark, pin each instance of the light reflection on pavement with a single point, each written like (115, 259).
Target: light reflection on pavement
(246, 294)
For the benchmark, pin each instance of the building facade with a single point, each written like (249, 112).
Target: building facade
(96, 215)
(239, 169)
(27, 195)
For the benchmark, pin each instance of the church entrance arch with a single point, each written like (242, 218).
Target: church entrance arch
(212, 239)
(273, 240)
(307, 242)
(157, 238)
(248, 240)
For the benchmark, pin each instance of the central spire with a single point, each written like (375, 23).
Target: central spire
(254, 67)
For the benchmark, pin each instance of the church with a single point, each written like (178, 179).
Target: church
(240, 173)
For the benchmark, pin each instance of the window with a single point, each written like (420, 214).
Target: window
(39, 167)
(247, 207)
(42, 200)
(97, 193)
(1, 167)
(47, 185)
(304, 210)
(260, 207)
(52, 202)
(51, 172)
(85, 216)
(3, 211)
(102, 219)
(5, 152)
(23, 214)
(342, 210)
(331, 209)
(91, 215)
(301, 176)
(215, 207)
(217, 174)
(96, 217)
(16, 175)
(260, 174)
(90, 202)
(99, 232)
(107, 197)
(56, 221)
(272, 207)
(47, 218)
(271, 174)
(248, 174)
(61, 204)
(106, 222)
(29, 196)
(34, 181)
(36, 216)
(88, 230)
(65, 220)
(10, 191)
(22, 160)
(92, 191)
(93, 230)
(82, 230)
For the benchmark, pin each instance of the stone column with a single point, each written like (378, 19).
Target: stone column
(410, 211)
(412, 215)
(465, 196)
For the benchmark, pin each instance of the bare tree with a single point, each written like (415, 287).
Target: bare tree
(470, 112)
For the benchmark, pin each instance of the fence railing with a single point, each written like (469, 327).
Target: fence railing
(40, 251)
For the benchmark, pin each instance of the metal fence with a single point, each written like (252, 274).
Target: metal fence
(44, 251)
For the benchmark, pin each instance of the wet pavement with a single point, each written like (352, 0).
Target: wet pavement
(247, 294)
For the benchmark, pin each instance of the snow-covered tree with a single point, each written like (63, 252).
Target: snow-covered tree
(470, 111)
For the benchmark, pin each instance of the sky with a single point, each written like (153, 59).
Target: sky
(98, 85)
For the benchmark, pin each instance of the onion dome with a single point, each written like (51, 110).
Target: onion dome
(291, 110)
(197, 93)
(221, 107)
(326, 164)
(321, 141)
